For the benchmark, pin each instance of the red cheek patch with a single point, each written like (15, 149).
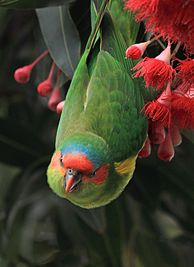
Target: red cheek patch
(77, 162)
(100, 176)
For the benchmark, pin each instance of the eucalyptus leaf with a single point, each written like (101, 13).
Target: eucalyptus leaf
(31, 3)
(61, 37)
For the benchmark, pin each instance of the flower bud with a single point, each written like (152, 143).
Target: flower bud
(22, 75)
(135, 51)
(45, 88)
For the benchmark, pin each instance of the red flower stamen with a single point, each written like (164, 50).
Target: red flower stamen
(45, 88)
(174, 20)
(22, 75)
(159, 110)
(142, 8)
(137, 50)
(186, 70)
(166, 149)
(155, 71)
(182, 108)
(146, 150)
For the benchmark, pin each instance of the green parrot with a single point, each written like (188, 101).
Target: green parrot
(102, 128)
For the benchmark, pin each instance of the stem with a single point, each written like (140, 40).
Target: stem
(155, 38)
(176, 49)
(39, 58)
(161, 44)
(51, 71)
(110, 3)
(97, 25)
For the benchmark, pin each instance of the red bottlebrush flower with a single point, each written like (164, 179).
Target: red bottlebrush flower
(186, 70)
(54, 99)
(60, 107)
(156, 71)
(173, 19)
(190, 92)
(146, 150)
(182, 108)
(183, 24)
(166, 149)
(175, 135)
(182, 88)
(159, 110)
(142, 8)
(22, 75)
(156, 133)
(136, 51)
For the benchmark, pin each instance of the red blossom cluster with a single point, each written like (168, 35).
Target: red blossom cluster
(46, 88)
(173, 110)
(172, 19)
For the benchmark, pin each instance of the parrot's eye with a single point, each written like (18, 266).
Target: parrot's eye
(70, 172)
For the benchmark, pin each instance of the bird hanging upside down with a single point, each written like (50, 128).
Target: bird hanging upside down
(101, 128)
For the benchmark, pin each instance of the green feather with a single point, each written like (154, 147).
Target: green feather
(111, 107)
(124, 21)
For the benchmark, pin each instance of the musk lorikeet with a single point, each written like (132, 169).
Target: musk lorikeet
(102, 128)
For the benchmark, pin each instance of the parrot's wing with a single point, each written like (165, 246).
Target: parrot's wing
(74, 102)
(75, 99)
(124, 21)
(114, 38)
(113, 108)
(101, 93)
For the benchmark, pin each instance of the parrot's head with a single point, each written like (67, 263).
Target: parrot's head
(81, 171)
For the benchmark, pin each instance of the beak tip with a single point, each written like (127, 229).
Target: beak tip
(69, 184)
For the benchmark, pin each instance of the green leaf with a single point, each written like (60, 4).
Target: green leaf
(61, 37)
(31, 3)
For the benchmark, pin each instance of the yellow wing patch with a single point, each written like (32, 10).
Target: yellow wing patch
(126, 166)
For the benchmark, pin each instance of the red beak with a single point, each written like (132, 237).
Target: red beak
(72, 179)
(69, 183)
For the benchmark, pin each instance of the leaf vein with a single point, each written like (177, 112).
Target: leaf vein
(64, 38)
